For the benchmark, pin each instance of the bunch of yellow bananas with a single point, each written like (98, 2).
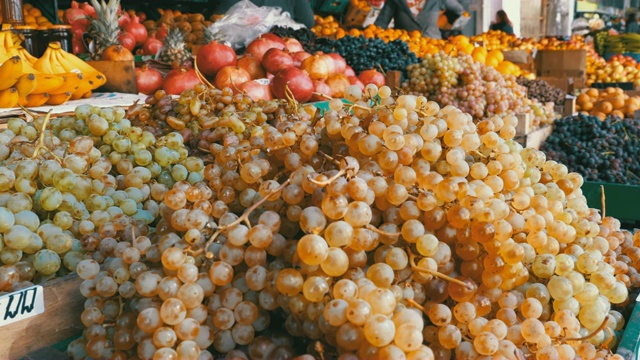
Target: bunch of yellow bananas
(56, 77)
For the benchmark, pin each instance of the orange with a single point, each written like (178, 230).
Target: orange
(497, 54)
(35, 12)
(492, 61)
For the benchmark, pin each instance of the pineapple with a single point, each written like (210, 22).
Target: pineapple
(211, 36)
(174, 49)
(104, 30)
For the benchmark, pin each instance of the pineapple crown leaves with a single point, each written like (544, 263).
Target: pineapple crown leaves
(104, 29)
(211, 34)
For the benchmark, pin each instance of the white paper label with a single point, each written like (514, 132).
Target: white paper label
(21, 305)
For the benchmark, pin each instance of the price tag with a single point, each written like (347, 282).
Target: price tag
(263, 81)
(21, 305)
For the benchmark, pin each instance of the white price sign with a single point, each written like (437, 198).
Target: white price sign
(21, 305)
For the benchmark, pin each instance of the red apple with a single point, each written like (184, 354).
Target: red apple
(298, 82)
(275, 60)
(252, 65)
(292, 45)
(231, 77)
(372, 76)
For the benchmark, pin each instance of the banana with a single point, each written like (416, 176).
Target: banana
(72, 63)
(71, 83)
(47, 82)
(48, 64)
(90, 82)
(59, 98)
(10, 71)
(33, 100)
(25, 56)
(9, 98)
(26, 84)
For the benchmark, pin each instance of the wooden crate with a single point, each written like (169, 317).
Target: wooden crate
(535, 138)
(121, 75)
(569, 107)
(33, 337)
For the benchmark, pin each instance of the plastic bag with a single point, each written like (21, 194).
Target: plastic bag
(245, 21)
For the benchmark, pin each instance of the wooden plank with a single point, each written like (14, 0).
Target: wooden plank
(60, 320)
(535, 138)
(121, 76)
(524, 124)
(393, 79)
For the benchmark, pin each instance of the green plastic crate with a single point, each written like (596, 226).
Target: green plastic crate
(629, 346)
(622, 201)
(334, 6)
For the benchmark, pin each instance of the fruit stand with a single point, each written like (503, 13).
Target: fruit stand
(330, 193)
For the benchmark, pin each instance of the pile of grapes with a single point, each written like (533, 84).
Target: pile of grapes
(599, 150)
(541, 90)
(387, 229)
(472, 87)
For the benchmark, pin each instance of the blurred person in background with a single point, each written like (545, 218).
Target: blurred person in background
(632, 24)
(421, 15)
(502, 23)
(300, 10)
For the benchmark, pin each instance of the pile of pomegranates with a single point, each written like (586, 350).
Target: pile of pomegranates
(269, 66)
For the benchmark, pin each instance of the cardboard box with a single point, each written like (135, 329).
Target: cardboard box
(561, 63)
(520, 58)
(121, 75)
(355, 16)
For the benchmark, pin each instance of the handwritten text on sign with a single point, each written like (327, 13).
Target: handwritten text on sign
(21, 304)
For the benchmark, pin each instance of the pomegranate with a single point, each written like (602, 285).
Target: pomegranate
(148, 80)
(260, 46)
(231, 77)
(151, 46)
(213, 57)
(124, 20)
(252, 66)
(338, 84)
(339, 63)
(316, 67)
(298, 57)
(330, 63)
(162, 32)
(78, 46)
(320, 87)
(349, 71)
(142, 16)
(355, 81)
(298, 82)
(275, 60)
(276, 39)
(372, 76)
(75, 15)
(117, 53)
(179, 80)
(137, 30)
(256, 90)
(292, 45)
(127, 40)
(88, 9)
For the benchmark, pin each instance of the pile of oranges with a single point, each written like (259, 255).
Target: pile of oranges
(33, 16)
(610, 101)
(327, 27)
